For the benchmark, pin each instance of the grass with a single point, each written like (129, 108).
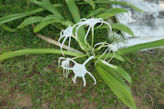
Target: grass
(36, 81)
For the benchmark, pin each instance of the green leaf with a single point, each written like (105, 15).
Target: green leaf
(119, 70)
(49, 17)
(73, 9)
(5, 27)
(142, 46)
(113, 71)
(6, 19)
(119, 3)
(122, 27)
(116, 56)
(12, 54)
(95, 12)
(123, 74)
(48, 6)
(47, 21)
(111, 12)
(76, 16)
(118, 88)
(67, 23)
(30, 20)
(9, 18)
(91, 2)
(43, 24)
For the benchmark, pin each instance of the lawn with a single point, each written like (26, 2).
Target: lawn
(37, 82)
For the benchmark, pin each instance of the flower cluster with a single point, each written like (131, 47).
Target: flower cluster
(78, 69)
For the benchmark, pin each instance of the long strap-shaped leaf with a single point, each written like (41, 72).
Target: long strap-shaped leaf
(76, 16)
(122, 27)
(111, 12)
(19, 15)
(115, 85)
(44, 21)
(73, 9)
(43, 24)
(95, 12)
(116, 56)
(91, 2)
(116, 2)
(48, 6)
(5, 27)
(9, 18)
(139, 47)
(30, 20)
(11, 54)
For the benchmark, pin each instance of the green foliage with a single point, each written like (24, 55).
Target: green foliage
(95, 12)
(30, 20)
(91, 2)
(118, 88)
(35, 51)
(142, 46)
(43, 24)
(111, 12)
(48, 6)
(9, 18)
(113, 75)
(123, 28)
(76, 16)
(119, 3)
(5, 27)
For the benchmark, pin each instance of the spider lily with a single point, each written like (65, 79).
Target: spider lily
(78, 69)
(91, 23)
(65, 63)
(110, 48)
(67, 33)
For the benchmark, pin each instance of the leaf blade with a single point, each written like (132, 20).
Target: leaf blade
(119, 3)
(43, 24)
(116, 56)
(95, 12)
(48, 6)
(116, 87)
(142, 46)
(76, 16)
(30, 20)
(6, 19)
(11, 54)
(122, 27)
(111, 12)
(91, 2)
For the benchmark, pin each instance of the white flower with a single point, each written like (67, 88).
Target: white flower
(67, 33)
(91, 23)
(110, 48)
(65, 64)
(78, 69)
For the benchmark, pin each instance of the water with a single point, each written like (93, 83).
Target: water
(148, 25)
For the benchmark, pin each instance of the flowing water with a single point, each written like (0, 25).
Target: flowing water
(148, 25)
